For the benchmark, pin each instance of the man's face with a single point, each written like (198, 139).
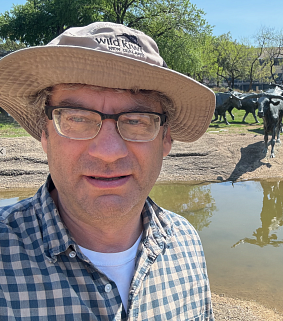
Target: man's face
(105, 176)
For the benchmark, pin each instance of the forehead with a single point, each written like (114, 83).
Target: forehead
(97, 97)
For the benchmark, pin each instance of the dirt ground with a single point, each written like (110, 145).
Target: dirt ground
(222, 157)
(215, 157)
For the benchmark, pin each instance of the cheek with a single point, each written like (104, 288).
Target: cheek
(62, 157)
(149, 156)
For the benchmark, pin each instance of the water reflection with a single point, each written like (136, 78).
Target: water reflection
(12, 196)
(271, 216)
(225, 213)
(194, 202)
(245, 213)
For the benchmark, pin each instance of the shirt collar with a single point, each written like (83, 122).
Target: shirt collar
(157, 227)
(56, 237)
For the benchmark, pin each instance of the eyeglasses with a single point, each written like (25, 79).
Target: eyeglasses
(81, 123)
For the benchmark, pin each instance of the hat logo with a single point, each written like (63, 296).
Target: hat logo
(129, 46)
(133, 39)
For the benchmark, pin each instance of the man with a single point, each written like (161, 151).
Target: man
(91, 245)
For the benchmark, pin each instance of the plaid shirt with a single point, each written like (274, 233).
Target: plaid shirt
(44, 276)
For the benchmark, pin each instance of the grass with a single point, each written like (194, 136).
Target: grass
(237, 126)
(10, 128)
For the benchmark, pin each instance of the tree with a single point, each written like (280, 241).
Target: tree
(9, 45)
(179, 29)
(231, 59)
(177, 26)
(209, 67)
(256, 70)
(193, 202)
(271, 42)
(38, 21)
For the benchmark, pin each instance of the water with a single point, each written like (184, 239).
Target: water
(12, 196)
(241, 229)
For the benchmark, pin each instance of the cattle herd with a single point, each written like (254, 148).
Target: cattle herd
(270, 108)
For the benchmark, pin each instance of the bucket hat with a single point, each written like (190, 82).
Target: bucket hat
(108, 55)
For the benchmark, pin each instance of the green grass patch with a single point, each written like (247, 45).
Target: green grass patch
(237, 126)
(10, 128)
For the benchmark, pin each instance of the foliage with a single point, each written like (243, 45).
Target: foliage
(39, 21)
(10, 128)
(271, 42)
(10, 45)
(256, 69)
(231, 58)
(179, 29)
(177, 26)
(195, 203)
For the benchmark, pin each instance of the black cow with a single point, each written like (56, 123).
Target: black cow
(270, 108)
(248, 104)
(223, 102)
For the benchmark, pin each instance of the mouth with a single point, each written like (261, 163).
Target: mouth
(108, 179)
(113, 182)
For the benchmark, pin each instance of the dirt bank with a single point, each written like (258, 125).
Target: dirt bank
(215, 157)
(222, 157)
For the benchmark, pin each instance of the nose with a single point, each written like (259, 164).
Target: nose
(108, 145)
(260, 114)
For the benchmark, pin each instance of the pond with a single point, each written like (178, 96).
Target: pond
(241, 229)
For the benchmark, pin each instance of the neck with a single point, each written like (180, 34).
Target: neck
(105, 236)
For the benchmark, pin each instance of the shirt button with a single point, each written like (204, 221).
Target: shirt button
(72, 254)
(108, 288)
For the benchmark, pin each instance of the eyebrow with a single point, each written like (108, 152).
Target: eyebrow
(141, 108)
(70, 102)
(138, 107)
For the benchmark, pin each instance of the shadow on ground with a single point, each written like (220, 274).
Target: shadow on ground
(251, 159)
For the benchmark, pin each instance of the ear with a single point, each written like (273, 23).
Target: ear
(44, 142)
(167, 143)
(275, 103)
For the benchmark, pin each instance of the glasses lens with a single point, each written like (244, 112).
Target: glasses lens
(75, 123)
(138, 126)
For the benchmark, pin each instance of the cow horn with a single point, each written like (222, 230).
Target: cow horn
(267, 95)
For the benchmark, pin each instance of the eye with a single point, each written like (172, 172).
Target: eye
(135, 119)
(78, 119)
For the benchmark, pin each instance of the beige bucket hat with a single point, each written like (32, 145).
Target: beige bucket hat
(108, 55)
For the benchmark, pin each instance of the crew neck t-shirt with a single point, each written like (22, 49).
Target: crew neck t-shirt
(118, 267)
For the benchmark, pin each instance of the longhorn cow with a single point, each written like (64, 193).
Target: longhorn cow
(270, 109)
(223, 102)
(249, 105)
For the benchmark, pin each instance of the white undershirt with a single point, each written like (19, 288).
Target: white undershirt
(118, 267)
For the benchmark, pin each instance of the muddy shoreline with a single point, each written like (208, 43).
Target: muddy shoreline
(213, 158)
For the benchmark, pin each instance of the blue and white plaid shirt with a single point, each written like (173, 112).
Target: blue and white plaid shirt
(44, 276)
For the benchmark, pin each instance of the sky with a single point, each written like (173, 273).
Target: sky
(243, 18)
(6, 5)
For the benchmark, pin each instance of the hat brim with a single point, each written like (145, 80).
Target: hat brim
(27, 71)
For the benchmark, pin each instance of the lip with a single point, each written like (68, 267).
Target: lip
(108, 184)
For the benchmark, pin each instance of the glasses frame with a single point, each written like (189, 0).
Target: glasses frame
(49, 109)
